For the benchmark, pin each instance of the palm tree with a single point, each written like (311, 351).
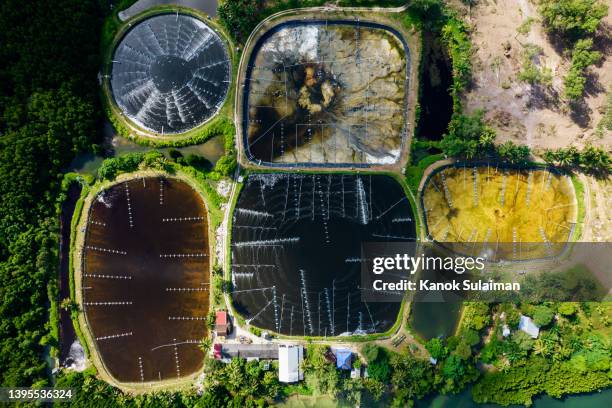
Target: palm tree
(564, 158)
(205, 345)
(235, 376)
(540, 348)
(487, 137)
(549, 156)
(595, 160)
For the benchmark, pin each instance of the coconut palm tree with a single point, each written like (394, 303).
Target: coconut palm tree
(205, 345)
(487, 137)
(540, 348)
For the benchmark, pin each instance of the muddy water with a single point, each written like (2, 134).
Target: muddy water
(326, 92)
(147, 301)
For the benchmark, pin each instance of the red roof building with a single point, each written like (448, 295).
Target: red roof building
(222, 323)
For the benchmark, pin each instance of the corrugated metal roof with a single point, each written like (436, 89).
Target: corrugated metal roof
(289, 363)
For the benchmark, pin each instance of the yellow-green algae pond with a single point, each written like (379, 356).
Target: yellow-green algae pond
(534, 209)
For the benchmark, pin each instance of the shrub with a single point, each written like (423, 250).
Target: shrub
(436, 348)
(110, 168)
(582, 58)
(542, 315)
(567, 309)
(573, 18)
(530, 72)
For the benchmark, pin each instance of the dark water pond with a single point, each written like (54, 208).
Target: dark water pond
(146, 280)
(435, 99)
(434, 313)
(433, 319)
(170, 73)
(464, 400)
(296, 250)
(67, 334)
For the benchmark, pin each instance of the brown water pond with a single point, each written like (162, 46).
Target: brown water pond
(146, 278)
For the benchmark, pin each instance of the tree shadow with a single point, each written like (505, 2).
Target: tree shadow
(602, 41)
(580, 113)
(543, 97)
(558, 42)
(593, 85)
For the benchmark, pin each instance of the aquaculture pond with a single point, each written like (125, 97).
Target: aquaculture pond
(326, 92)
(145, 278)
(502, 213)
(297, 250)
(170, 73)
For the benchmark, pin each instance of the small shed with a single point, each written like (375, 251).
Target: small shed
(223, 326)
(290, 358)
(528, 326)
(344, 359)
(217, 351)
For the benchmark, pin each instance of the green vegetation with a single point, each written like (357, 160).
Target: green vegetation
(531, 72)
(525, 26)
(513, 153)
(245, 383)
(606, 121)
(239, 384)
(571, 354)
(582, 58)
(573, 19)
(456, 37)
(435, 16)
(240, 17)
(192, 166)
(575, 22)
(47, 115)
(468, 136)
(591, 159)
(414, 174)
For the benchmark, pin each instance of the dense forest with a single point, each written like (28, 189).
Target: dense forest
(48, 113)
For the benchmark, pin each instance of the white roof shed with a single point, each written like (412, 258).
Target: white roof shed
(290, 358)
(528, 326)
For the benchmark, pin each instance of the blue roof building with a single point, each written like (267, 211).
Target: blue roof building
(344, 358)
